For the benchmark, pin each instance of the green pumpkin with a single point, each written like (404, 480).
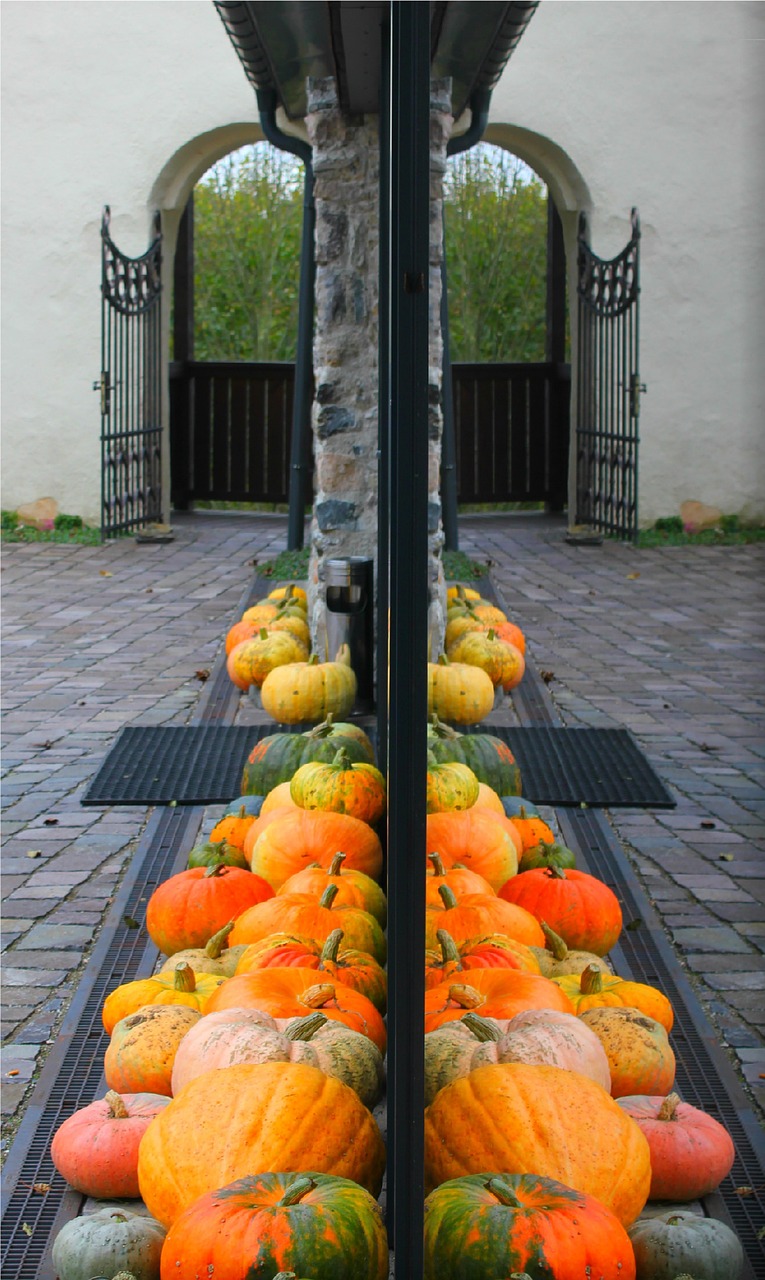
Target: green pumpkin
(108, 1241)
(519, 807)
(547, 854)
(252, 806)
(217, 854)
(278, 756)
(680, 1241)
(490, 758)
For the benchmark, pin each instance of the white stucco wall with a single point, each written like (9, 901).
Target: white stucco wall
(661, 105)
(656, 103)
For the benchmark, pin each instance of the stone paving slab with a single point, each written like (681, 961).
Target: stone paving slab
(94, 638)
(677, 655)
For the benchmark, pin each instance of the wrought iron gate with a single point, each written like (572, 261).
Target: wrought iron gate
(608, 387)
(130, 385)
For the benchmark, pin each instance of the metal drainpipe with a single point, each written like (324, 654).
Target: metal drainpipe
(300, 463)
(479, 107)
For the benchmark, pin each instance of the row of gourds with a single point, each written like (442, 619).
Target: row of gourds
(269, 649)
(243, 1074)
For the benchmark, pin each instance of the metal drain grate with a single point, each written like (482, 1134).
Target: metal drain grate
(73, 1073)
(705, 1076)
(601, 767)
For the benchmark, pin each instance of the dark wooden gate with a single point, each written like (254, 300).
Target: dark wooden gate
(608, 387)
(511, 426)
(231, 430)
(130, 385)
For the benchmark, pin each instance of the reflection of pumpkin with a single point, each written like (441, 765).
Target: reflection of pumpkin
(280, 1220)
(254, 1119)
(520, 1221)
(538, 1119)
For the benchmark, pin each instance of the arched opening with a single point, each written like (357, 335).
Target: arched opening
(506, 433)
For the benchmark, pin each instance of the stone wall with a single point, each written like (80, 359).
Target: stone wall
(344, 419)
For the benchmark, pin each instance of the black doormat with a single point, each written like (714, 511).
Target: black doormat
(604, 768)
(202, 764)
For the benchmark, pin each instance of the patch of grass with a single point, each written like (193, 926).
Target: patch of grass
(66, 529)
(288, 564)
(461, 568)
(669, 532)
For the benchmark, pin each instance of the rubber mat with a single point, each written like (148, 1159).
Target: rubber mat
(202, 764)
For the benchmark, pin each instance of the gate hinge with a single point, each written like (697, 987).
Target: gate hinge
(636, 386)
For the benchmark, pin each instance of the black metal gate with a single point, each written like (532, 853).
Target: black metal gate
(608, 387)
(130, 385)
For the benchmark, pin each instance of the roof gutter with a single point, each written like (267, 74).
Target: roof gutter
(479, 107)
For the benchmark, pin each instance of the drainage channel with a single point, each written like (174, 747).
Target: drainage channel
(37, 1202)
(705, 1076)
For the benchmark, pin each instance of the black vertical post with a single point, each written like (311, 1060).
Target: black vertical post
(183, 286)
(409, 154)
(302, 440)
(383, 346)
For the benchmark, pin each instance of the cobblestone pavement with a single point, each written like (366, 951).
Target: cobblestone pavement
(669, 643)
(93, 638)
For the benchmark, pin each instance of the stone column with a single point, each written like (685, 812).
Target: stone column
(344, 419)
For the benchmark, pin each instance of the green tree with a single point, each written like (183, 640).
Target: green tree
(495, 215)
(248, 214)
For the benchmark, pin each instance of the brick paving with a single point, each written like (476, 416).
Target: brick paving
(93, 638)
(669, 643)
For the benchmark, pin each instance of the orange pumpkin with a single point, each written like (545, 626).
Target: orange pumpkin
(493, 951)
(254, 1119)
(578, 906)
(480, 840)
(251, 661)
(480, 913)
(640, 1057)
(300, 913)
(175, 986)
(96, 1149)
(691, 1152)
(355, 889)
(233, 828)
(355, 969)
(295, 839)
(532, 830)
(488, 799)
(187, 909)
(141, 1052)
(458, 879)
(592, 989)
(538, 1119)
(493, 993)
(292, 993)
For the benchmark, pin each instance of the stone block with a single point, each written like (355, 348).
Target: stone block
(332, 419)
(335, 514)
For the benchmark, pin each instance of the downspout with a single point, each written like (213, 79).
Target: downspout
(300, 454)
(479, 108)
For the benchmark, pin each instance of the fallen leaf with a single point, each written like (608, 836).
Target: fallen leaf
(547, 676)
(707, 824)
(34, 853)
(202, 674)
(50, 822)
(12, 1073)
(25, 1227)
(726, 857)
(130, 922)
(104, 573)
(634, 924)
(173, 804)
(583, 804)
(633, 575)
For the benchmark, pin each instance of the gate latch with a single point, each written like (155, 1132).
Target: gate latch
(103, 385)
(636, 386)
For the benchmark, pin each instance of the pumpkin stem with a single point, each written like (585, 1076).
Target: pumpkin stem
(438, 866)
(184, 979)
(504, 1192)
(480, 1027)
(305, 1028)
(217, 943)
(117, 1108)
(299, 1188)
(449, 949)
(218, 870)
(443, 661)
(322, 730)
(331, 947)
(263, 634)
(447, 896)
(317, 995)
(465, 996)
(591, 980)
(329, 895)
(554, 942)
(442, 730)
(668, 1108)
(555, 873)
(490, 633)
(336, 865)
(342, 760)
